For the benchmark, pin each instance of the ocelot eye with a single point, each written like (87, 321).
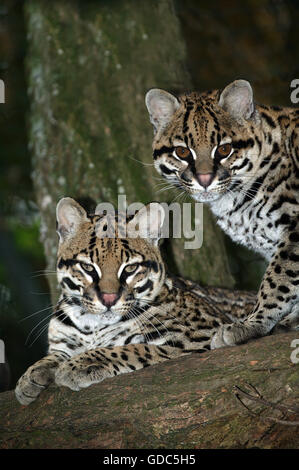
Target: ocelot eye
(182, 152)
(87, 267)
(223, 150)
(131, 268)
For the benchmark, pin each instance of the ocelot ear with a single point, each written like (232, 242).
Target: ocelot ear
(237, 100)
(161, 106)
(70, 215)
(148, 223)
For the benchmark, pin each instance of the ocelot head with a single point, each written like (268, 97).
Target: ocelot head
(109, 265)
(204, 143)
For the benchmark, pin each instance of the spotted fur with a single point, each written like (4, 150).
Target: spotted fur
(242, 159)
(119, 309)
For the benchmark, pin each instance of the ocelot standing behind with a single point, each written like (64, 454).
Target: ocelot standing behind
(243, 161)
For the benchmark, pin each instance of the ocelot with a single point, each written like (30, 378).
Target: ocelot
(119, 309)
(242, 159)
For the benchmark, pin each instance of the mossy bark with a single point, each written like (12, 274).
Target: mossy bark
(185, 403)
(89, 67)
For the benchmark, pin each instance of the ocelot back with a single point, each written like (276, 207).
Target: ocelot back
(243, 161)
(119, 310)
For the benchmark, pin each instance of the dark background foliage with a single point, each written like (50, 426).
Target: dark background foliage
(253, 39)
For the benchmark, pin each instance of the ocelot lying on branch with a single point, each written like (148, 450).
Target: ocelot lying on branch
(243, 161)
(119, 309)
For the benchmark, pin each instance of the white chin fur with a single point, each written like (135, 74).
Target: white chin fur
(204, 196)
(96, 319)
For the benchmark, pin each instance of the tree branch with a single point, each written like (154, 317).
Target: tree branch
(182, 403)
(258, 398)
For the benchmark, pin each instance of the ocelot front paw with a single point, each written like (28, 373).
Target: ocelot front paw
(78, 376)
(32, 383)
(230, 335)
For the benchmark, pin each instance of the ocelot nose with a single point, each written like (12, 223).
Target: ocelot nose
(109, 299)
(205, 179)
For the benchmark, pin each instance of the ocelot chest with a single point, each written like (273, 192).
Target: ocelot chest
(253, 227)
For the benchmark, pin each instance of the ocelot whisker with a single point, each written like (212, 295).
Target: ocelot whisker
(42, 330)
(35, 313)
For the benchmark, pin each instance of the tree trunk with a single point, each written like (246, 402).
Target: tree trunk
(185, 403)
(90, 65)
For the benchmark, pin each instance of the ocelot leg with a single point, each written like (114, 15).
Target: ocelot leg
(98, 364)
(37, 378)
(277, 296)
